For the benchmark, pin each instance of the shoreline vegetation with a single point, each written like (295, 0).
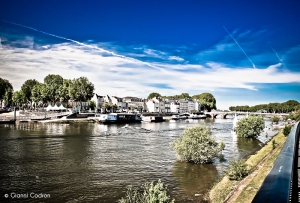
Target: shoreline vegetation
(259, 166)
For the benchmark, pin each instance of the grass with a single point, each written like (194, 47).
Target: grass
(225, 187)
(251, 189)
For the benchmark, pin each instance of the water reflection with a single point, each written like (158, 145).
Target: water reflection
(194, 179)
(76, 162)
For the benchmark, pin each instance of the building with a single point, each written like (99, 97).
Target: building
(118, 101)
(174, 106)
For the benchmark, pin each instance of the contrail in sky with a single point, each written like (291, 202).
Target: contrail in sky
(240, 47)
(93, 47)
(279, 57)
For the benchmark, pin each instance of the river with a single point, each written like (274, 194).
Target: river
(77, 163)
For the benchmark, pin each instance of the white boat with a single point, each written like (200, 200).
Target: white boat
(175, 117)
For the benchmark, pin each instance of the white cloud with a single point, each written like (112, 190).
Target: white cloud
(175, 58)
(116, 74)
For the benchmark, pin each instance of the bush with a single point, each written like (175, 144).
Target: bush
(286, 130)
(294, 116)
(149, 193)
(237, 170)
(197, 146)
(274, 144)
(275, 119)
(250, 127)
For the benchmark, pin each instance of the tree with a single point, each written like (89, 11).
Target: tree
(290, 105)
(92, 105)
(53, 84)
(5, 85)
(38, 93)
(207, 101)
(18, 98)
(109, 107)
(250, 127)
(232, 108)
(81, 89)
(27, 87)
(184, 96)
(197, 146)
(8, 97)
(64, 90)
(154, 94)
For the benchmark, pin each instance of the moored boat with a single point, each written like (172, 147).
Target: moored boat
(153, 119)
(7, 121)
(175, 117)
(119, 118)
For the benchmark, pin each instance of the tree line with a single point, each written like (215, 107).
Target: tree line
(207, 100)
(54, 89)
(285, 107)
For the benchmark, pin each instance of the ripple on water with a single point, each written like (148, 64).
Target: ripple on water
(77, 162)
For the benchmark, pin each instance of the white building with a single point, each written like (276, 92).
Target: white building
(174, 106)
(152, 105)
(134, 103)
(118, 101)
(99, 100)
(183, 106)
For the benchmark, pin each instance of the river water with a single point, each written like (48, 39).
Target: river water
(77, 163)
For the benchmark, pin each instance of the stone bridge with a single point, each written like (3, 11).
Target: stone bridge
(224, 114)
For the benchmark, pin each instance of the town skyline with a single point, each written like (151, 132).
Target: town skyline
(133, 48)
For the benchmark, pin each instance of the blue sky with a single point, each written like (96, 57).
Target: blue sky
(243, 52)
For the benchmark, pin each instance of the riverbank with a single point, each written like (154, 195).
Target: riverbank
(259, 164)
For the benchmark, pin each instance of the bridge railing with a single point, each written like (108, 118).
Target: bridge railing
(281, 184)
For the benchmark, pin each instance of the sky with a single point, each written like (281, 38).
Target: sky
(242, 52)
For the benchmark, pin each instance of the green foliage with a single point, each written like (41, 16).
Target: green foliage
(154, 94)
(177, 97)
(92, 105)
(294, 116)
(5, 85)
(207, 101)
(64, 90)
(81, 89)
(106, 106)
(274, 144)
(53, 84)
(237, 170)
(297, 107)
(149, 193)
(284, 107)
(197, 146)
(275, 119)
(38, 93)
(286, 130)
(221, 145)
(18, 98)
(250, 127)
(8, 97)
(27, 88)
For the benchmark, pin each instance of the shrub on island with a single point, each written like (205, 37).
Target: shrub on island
(149, 192)
(250, 127)
(275, 119)
(237, 170)
(197, 146)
